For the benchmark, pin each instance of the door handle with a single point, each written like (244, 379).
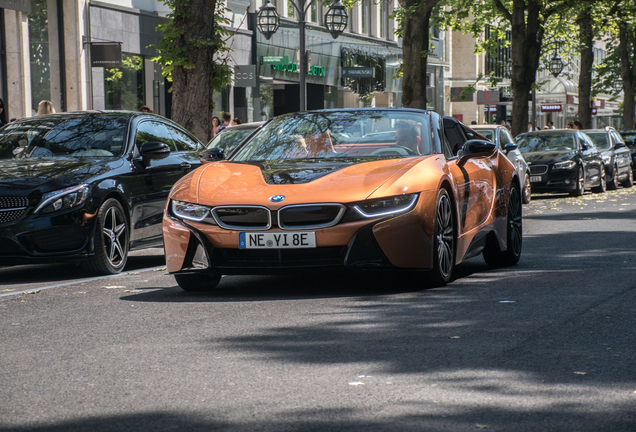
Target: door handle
(185, 166)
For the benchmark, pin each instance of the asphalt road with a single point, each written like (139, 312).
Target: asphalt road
(548, 345)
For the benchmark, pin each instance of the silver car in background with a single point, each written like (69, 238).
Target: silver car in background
(501, 136)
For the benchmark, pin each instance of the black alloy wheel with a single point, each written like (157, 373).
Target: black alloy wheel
(613, 183)
(444, 241)
(111, 240)
(493, 255)
(580, 183)
(199, 282)
(629, 182)
(527, 190)
(602, 183)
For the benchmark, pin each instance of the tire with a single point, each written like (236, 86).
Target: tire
(200, 282)
(444, 241)
(613, 183)
(580, 183)
(493, 255)
(602, 187)
(629, 182)
(527, 190)
(111, 240)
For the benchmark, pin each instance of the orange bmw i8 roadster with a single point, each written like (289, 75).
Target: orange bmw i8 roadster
(360, 189)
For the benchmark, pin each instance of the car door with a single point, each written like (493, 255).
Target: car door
(473, 180)
(156, 178)
(591, 159)
(622, 153)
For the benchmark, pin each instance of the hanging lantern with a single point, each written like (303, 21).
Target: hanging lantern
(267, 20)
(336, 19)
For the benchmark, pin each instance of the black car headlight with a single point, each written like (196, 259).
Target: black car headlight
(63, 199)
(386, 206)
(190, 211)
(564, 165)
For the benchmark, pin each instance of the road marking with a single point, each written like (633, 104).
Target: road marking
(83, 281)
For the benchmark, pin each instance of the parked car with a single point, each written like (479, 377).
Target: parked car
(629, 137)
(230, 137)
(617, 157)
(354, 188)
(88, 186)
(502, 138)
(562, 160)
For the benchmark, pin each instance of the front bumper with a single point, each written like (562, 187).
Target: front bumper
(399, 242)
(63, 236)
(556, 181)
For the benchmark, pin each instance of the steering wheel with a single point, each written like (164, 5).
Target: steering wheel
(400, 150)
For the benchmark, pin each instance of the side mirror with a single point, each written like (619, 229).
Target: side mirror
(153, 150)
(475, 149)
(510, 147)
(620, 145)
(212, 155)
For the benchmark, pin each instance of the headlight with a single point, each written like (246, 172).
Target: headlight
(564, 165)
(387, 206)
(607, 159)
(190, 211)
(63, 199)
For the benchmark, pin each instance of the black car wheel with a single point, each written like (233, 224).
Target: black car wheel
(443, 241)
(629, 182)
(580, 183)
(493, 255)
(527, 190)
(198, 282)
(602, 184)
(111, 240)
(613, 183)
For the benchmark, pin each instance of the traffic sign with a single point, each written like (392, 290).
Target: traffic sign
(487, 97)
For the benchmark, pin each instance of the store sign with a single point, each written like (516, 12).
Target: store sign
(275, 60)
(245, 76)
(551, 108)
(106, 54)
(457, 96)
(491, 109)
(18, 5)
(358, 72)
(572, 100)
(487, 97)
(293, 67)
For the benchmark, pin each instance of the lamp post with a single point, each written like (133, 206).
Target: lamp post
(555, 66)
(335, 22)
(618, 85)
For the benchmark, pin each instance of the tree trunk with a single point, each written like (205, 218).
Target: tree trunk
(527, 38)
(586, 39)
(627, 40)
(192, 88)
(415, 45)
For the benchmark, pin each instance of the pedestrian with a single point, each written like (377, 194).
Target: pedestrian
(550, 125)
(578, 124)
(227, 118)
(215, 124)
(146, 109)
(473, 122)
(530, 127)
(236, 121)
(570, 125)
(45, 107)
(3, 117)
(503, 123)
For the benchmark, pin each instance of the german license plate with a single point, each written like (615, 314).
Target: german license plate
(277, 240)
(535, 179)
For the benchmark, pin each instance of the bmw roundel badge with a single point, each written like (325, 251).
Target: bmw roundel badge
(277, 198)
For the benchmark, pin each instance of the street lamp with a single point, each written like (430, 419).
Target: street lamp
(556, 65)
(268, 19)
(618, 85)
(335, 22)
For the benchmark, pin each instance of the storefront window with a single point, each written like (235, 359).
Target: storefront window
(124, 87)
(39, 52)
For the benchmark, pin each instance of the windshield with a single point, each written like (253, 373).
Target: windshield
(487, 133)
(64, 137)
(229, 139)
(348, 134)
(600, 140)
(539, 143)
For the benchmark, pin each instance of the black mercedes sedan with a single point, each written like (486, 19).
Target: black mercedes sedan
(562, 160)
(617, 157)
(88, 186)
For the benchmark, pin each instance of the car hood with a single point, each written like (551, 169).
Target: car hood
(25, 175)
(300, 181)
(548, 157)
